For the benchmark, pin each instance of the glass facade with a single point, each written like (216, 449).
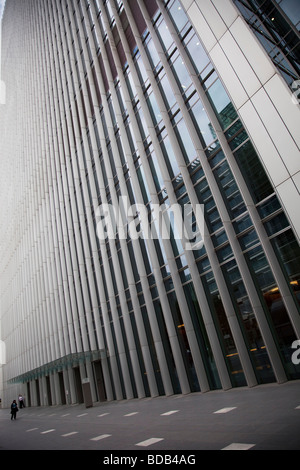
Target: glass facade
(276, 23)
(142, 113)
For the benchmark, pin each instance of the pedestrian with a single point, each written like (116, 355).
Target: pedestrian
(21, 401)
(14, 409)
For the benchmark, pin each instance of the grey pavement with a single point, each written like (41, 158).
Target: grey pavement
(261, 418)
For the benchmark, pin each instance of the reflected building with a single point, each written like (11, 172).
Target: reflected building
(163, 103)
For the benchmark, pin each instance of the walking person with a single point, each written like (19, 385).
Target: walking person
(14, 409)
(21, 401)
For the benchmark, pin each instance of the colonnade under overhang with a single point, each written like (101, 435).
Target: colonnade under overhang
(64, 381)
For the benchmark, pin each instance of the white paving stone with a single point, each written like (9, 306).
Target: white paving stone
(238, 446)
(168, 413)
(99, 438)
(149, 442)
(225, 410)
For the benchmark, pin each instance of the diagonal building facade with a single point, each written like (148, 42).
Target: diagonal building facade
(158, 105)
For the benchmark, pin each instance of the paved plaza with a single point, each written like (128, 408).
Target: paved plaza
(261, 418)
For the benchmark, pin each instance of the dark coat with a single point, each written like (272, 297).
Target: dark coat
(14, 408)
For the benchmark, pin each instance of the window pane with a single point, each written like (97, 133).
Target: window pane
(253, 172)
(221, 103)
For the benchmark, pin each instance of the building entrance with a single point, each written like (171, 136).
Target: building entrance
(78, 385)
(100, 381)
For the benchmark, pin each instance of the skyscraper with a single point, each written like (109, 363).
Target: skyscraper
(121, 111)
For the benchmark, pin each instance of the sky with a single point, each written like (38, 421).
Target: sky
(2, 2)
(2, 98)
(1, 7)
(1, 11)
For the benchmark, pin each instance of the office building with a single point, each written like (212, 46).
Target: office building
(161, 104)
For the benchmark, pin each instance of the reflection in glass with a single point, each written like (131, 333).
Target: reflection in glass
(288, 251)
(152, 53)
(221, 104)
(181, 73)
(167, 92)
(154, 108)
(276, 25)
(183, 341)
(248, 323)
(278, 317)
(292, 9)
(253, 172)
(229, 189)
(178, 15)
(185, 141)
(202, 122)
(196, 53)
(224, 332)
(170, 156)
(164, 35)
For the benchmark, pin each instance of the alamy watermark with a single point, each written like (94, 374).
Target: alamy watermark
(296, 354)
(163, 222)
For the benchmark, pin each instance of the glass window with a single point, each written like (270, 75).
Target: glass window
(167, 346)
(142, 122)
(167, 92)
(196, 170)
(143, 75)
(221, 104)
(130, 84)
(154, 108)
(156, 173)
(170, 157)
(201, 335)
(278, 317)
(152, 53)
(175, 235)
(181, 73)
(243, 223)
(276, 224)
(183, 341)
(224, 253)
(272, 21)
(164, 35)
(219, 238)
(288, 251)
(131, 137)
(143, 184)
(121, 98)
(253, 172)
(249, 239)
(292, 9)
(229, 189)
(268, 207)
(225, 336)
(205, 197)
(185, 141)
(178, 15)
(202, 122)
(196, 53)
(248, 323)
(236, 135)
(217, 159)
